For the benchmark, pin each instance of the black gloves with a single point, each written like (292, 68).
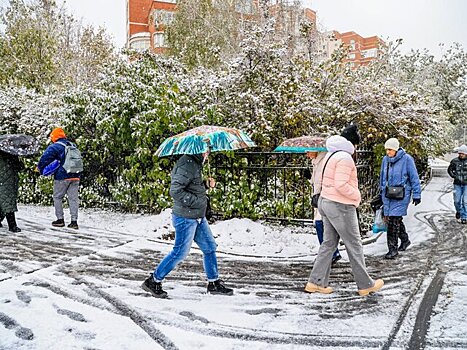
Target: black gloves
(307, 173)
(416, 201)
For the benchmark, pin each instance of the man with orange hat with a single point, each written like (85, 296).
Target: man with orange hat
(65, 182)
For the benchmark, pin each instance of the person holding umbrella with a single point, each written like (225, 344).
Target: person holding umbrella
(10, 165)
(190, 202)
(12, 146)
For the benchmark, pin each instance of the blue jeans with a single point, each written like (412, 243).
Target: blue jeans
(460, 200)
(320, 233)
(187, 231)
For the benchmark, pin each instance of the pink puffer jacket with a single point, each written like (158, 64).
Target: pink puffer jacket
(340, 183)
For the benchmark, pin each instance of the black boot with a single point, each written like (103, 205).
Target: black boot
(153, 287)
(58, 223)
(217, 287)
(73, 224)
(10, 218)
(391, 254)
(1, 219)
(404, 246)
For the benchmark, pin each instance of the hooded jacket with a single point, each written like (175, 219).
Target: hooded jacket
(187, 187)
(402, 172)
(458, 170)
(53, 152)
(340, 183)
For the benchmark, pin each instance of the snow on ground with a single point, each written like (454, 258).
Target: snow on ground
(65, 289)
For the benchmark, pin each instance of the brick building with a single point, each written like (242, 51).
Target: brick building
(147, 20)
(361, 50)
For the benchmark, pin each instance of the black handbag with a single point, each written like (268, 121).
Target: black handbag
(393, 192)
(315, 198)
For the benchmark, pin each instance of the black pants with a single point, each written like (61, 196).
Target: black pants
(396, 230)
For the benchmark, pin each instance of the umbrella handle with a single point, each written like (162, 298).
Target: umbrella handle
(209, 173)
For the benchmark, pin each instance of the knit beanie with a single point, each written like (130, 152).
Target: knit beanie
(57, 134)
(351, 134)
(392, 143)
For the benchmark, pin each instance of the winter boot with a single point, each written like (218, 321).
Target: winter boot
(458, 215)
(153, 287)
(404, 246)
(73, 224)
(391, 254)
(377, 286)
(58, 223)
(1, 219)
(314, 288)
(217, 287)
(10, 218)
(464, 221)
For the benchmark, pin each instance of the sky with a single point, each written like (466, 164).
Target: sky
(420, 23)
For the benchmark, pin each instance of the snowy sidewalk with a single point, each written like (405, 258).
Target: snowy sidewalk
(62, 289)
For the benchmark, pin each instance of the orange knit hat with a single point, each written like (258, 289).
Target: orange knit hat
(57, 134)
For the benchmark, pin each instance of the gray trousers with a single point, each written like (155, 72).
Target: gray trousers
(71, 189)
(340, 220)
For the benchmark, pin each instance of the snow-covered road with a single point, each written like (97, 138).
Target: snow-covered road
(63, 289)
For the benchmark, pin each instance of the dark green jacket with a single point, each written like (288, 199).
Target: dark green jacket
(187, 188)
(458, 170)
(9, 182)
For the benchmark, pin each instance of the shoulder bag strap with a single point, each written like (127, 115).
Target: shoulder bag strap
(324, 167)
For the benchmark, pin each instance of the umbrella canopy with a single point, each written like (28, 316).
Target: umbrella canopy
(19, 144)
(202, 138)
(303, 144)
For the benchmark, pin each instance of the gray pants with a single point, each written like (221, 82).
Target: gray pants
(71, 189)
(340, 220)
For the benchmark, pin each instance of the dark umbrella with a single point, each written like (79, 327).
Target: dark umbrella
(19, 144)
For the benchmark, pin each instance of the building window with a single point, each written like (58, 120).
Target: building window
(169, 1)
(160, 39)
(163, 17)
(370, 53)
(352, 44)
(244, 6)
(140, 41)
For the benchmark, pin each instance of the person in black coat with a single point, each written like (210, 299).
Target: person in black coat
(458, 171)
(10, 166)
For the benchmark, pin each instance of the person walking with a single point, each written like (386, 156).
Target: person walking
(317, 163)
(399, 182)
(66, 182)
(10, 166)
(189, 220)
(458, 171)
(337, 205)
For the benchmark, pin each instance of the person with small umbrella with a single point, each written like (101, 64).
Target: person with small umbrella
(10, 165)
(12, 146)
(188, 191)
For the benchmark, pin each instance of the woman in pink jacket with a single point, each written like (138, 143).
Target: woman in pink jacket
(337, 205)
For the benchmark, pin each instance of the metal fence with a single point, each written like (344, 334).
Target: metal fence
(277, 187)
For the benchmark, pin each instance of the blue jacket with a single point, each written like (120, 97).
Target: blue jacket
(56, 151)
(402, 172)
